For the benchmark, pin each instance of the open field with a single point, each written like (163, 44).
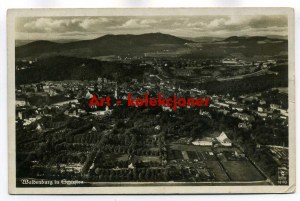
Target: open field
(206, 156)
(185, 155)
(222, 170)
(242, 171)
(123, 157)
(192, 155)
(217, 170)
(116, 157)
(186, 147)
(148, 158)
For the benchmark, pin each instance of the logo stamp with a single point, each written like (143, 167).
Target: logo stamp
(282, 176)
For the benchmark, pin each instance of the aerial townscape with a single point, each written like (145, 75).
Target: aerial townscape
(240, 138)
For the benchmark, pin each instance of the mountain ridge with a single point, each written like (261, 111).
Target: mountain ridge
(111, 43)
(138, 45)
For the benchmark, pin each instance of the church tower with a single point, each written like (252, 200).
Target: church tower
(116, 91)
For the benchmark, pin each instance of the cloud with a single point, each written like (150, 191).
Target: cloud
(187, 26)
(58, 25)
(217, 23)
(46, 25)
(92, 22)
(268, 21)
(138, 23)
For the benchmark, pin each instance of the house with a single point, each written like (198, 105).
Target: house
(260, 109)
(239, 155)
(223, 111)
(81, 111)
(270, 61)
(222, 104)
(39, 127)
(262, 114)
(262, 102)
(274, 106)
(284, 112)
(166, 108)
(88, 95)
(238, 108)
(102, 112)
(224, 140)
(130, 166)
(20, 114)
(230, 102)
(157, 127)
(205, 113)
(20, 102)
(243, 116)
(94, 129)
(264, 66)
(230, 61)
(245, 125)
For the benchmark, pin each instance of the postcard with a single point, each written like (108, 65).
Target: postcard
(151, 101)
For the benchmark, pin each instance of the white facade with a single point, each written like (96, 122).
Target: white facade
(202, 143)
(224, 140)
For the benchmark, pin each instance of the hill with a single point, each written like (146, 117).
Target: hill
(255, 46)
(59, 68)
(105, 45)
(157, 43)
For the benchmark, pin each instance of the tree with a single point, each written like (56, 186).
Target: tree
(129, 176)
(141, 176)
(97, 171)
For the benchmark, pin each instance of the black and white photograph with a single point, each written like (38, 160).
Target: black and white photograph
(199, 100)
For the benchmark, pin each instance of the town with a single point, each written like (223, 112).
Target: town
(244, 126)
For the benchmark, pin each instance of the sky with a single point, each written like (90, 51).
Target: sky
(89, 27)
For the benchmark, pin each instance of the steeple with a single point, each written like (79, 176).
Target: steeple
(116, 91)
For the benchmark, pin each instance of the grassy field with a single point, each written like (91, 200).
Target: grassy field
(224, 170)
(186, 147)
(216, 169)
(123, 157)
(185, 155)
(192, 155)
(206, 156)
(148, 158)
(242, 171)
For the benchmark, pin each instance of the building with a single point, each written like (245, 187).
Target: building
(262, 114)
(260, 109)
(284, 112)
(239, 155)
(229, 61)
(39, 128)
(166, 108)
(207, 141)
(88, 95)
(224, 140)
(222, 104)
(274, 106)
(157, 127)
(225, 112)
(270, 61)
(205, 113)
(243, 116)
(102, 112)
(245, 125)
(20, 102)
(230, 102)
(238, 108)
(262, 102)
